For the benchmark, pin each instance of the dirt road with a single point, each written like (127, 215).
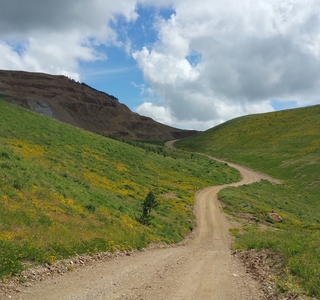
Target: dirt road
(202, 269)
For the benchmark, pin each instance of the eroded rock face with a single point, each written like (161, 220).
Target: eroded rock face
(78, 104)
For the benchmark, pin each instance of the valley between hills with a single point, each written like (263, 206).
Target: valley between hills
(201, 268)
(71, 194)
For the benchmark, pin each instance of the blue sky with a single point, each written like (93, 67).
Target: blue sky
(184, 63)
(117, 76)
(120, 74)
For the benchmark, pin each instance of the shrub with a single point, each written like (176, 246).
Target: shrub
(149, 203)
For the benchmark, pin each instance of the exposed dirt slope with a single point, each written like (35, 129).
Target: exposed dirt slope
(80, 105)
(202, 269)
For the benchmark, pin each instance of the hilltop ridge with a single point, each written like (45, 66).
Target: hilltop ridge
(78, 104)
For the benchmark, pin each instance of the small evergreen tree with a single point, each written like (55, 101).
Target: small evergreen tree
(149, 203)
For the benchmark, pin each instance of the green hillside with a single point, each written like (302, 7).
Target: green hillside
(65, 191)
(285, 145)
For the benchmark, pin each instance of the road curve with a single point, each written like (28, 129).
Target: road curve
(202, 269)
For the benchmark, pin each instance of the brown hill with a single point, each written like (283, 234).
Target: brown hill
(80, 105)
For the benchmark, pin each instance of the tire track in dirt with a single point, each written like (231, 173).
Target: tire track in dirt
(201, 269)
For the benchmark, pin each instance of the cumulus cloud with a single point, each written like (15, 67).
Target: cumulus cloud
(210, 60)
(55, 36)
(248, 54)
(220, 113)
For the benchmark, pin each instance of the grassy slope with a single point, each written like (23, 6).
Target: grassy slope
(65, 191)
(285, 145)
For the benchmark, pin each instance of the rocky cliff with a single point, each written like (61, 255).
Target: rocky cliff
(80, 105)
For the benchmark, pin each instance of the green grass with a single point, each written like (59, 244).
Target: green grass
(65, 191)
(286, 146)
(148, 142)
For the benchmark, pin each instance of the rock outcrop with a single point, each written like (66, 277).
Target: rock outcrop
(78, 104)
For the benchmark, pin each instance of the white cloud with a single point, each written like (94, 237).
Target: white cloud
(48, 54)
(211, 61)
(56, 36)
(165, 69)
(163, 115)
(158, 113)
(220, 113)
(251, 52)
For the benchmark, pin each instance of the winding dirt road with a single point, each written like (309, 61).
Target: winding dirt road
(202, 269)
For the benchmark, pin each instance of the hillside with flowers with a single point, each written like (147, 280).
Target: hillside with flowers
(66, 191)
(285, 145)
